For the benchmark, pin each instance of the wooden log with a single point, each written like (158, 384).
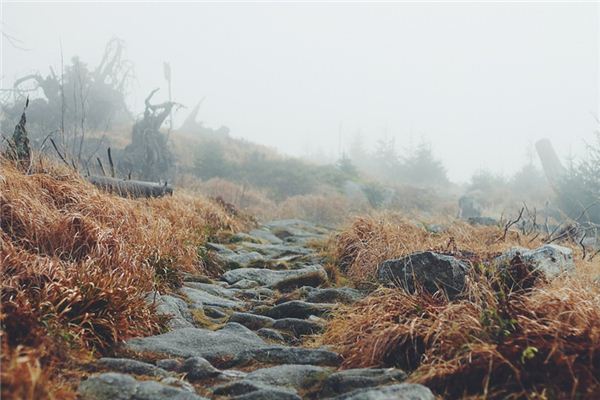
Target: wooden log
(129, 188)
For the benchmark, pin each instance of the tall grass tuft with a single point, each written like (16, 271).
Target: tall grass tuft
(76, 265)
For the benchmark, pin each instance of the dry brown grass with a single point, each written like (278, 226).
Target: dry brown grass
(76, 264)
(497, 341)
(370, 240)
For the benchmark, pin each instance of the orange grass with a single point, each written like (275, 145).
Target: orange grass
(370, 240)
(76, 265)
(498, 341)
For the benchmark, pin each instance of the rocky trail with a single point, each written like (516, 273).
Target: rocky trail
(240, 337)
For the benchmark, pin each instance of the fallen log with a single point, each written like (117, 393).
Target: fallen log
(129, 188)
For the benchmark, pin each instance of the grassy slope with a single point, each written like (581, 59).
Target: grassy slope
(503, 339)
(76, 264)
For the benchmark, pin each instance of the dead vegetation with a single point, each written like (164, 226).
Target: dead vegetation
(517, 338)
(370, 240)
(76, 265)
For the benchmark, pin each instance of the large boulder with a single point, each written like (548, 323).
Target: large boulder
(271, 278)
(216, 346)
(429, 270)
(550, 260)
(116, 386)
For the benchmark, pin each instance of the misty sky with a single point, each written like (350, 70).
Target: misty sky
(481, 82)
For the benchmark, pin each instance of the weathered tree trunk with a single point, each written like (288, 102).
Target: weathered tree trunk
(128, 188)
(550, 162)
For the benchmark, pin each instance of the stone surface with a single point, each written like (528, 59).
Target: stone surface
(198, 298)
(270, 334)
(293, 375)
(129, 366)
(298, 326)
(402, 391)
(291, 355)
(343, 295)
(551, 260)
(241, 260)
(251, 321)
(265, 235)
(245, 386)
(268, 394)
(169, 364)
(267, 277)
(176, 308)
(198, 368)
(227, 343)
(116, 386)
(351, 379)
(298, 309)
(429, 270)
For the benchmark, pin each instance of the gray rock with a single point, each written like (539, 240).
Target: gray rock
(267, 277)
(293, 375)
(343, 295)
(243, 387)
(178, 383)
(216, 289)
(214, 312)
(176, 308)
(351, 379)
(199, 298)
(116, 386)
(402, 391)
(298, 309)
(265, 235)
(276, 250)
(129, 366)
(150, 390)
(551, 260)
(221, 248)
(270, 334)
(298, 326)
(245, 284)
(245, 237)
(291, 355)
(198, 368)
(227, 343)
(109, 386)
(430, 270)
(314, 279)
(241, 260)
(251, 321)
(268, 394)
(169, 364)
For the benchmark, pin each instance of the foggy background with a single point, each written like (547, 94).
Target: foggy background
(481, 82)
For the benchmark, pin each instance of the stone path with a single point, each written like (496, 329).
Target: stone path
(238, 338)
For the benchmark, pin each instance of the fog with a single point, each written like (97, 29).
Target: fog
(481, 82)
